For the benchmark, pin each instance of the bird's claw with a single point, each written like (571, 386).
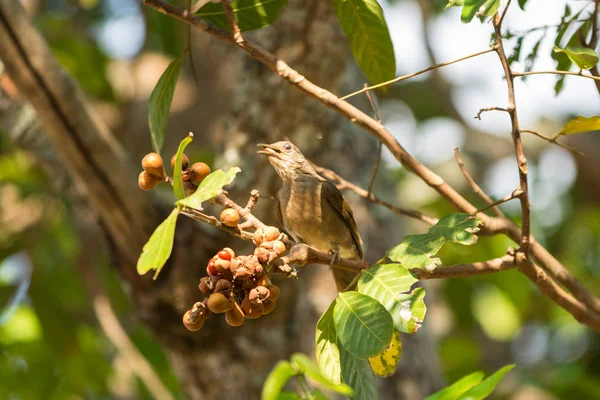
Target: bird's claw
(335, 258)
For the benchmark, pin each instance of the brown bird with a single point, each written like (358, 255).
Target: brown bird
(312, 210)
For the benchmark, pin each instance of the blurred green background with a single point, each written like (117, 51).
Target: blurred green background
(51, 346)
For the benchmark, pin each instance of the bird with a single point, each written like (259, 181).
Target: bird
(312, 210)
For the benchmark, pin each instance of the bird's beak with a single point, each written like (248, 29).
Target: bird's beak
(267, 150)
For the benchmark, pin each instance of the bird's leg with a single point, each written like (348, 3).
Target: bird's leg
(335, 258)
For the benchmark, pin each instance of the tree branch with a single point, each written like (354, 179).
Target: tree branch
(466, 270)
(553, 141)
(518, 74)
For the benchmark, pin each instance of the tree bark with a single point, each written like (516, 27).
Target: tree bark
(218, 362)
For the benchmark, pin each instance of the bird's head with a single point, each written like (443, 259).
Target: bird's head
(287, 159)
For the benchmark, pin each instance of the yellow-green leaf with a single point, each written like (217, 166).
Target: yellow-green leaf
(582, 56)
(305, 365)
(327, 350)
(210, 187)
(459, 387)
(157, 250)
(384, 364)
(281, 373)
(177, 180)
(580, 125)
(160, 103)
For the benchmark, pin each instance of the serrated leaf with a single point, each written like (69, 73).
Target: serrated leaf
(177, 179)
(157, 250)
(487, 386)
(278, 377)
(459, 387)
(327, 351)
(387, 283)
(363, 326)
(582, 56)
(358, 375)
(249, 14)
(210, 187)
(580, 125)
(364, 25)
(470, 8)
(305, 365)
(384, 364)
(160, 103)
(417, 251)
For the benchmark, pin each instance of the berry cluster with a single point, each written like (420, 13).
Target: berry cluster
(239, 286)
(154, 172)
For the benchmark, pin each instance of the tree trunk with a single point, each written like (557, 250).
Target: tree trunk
(218, 362)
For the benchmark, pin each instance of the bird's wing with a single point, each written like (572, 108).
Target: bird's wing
(339, 203)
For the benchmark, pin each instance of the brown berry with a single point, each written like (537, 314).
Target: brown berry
(242, 274)
(224, 255)
(153, 164)
(205, 285)
(268, 306)
(230, 217)
(211, 269)
(263, 255)
(235, 316)
(219, 303)
(271, 233)
(259, 237)
(222, 266)
(185, 161)
(199, 171)
(251, 311)
(147, 181)
(258, 295)
(196, 324)
(274, 292)
(267, 244)
(278, 247)
(223, 285)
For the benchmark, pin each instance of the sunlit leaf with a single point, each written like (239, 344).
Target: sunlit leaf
(582, 56)
(384, 364)
(249, 14)
(280, 374)
(364, 327)
(327, 351)
(459, 387)
(454, 3)
(157, 250)
(177, 180)
(305, 365)
(388, 284)
(364, 25)
(289, 396)
(470, 8)
(358, 375)
(160, 103)
(417, 251)
(487, 386)
(580, 125)
(210, 187)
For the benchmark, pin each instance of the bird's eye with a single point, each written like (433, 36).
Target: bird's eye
(287, 146)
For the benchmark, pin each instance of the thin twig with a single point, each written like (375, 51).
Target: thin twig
(405, 77)
(378, 161)
(344, 184)
(486, 109)
(514, 195)
(556, 73)
(474, 186)
(233, 25)
(503, 13)
(463, 270)
(553, 141)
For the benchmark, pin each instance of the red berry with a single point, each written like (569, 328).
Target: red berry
(211, 268)
(224, 255)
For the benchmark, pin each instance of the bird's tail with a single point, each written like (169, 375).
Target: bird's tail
(343, 279)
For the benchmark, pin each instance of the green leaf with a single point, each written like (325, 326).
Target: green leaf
(327, 351)
(582, 56)
(488, 9)
(485, 388)
(416, 251)
(249, 14)
(358, 374)
(580, 125)
(157, 250)
(470, 8)
(160, 103)
(280, 374)
(210, 187)
(454, 3)
(177, 180)
(289, 396)
(459, 387)
(364, 25)
(305, 365)
(522, 4)
(363, 325)
(384, 364)
(386, 283)
(319, 395)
